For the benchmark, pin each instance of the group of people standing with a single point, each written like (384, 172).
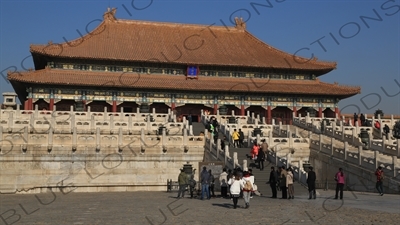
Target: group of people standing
(281, 179)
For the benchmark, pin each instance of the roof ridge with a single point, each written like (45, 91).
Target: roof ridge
(155, 23)
(283, 53)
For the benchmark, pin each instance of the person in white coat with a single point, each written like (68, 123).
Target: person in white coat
(289, 183)
(236, 185)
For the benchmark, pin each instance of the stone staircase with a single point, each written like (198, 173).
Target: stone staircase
(262, 177)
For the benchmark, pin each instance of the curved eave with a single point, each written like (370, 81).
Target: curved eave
(179, 82)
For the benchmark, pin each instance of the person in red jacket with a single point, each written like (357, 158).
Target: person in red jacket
(379, 178)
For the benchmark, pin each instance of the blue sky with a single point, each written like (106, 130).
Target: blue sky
(367, 51)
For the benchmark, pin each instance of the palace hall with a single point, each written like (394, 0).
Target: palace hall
(122, 65)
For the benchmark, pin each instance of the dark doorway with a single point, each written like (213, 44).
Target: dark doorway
(128, 109)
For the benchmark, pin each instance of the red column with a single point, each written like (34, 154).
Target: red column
(295, 110)
(337, 111)
(51, 104)
(320, 112)
(269, 116)
(173, 106)
(30, 104)
(84, 105)
(242, 110)
(215, 109)
(26, 105)
(114, 106)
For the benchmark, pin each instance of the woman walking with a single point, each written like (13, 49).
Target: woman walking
(247, 188)
(289, 183)
(339, 178)
(236, 185)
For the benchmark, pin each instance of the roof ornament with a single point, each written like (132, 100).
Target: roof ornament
(110, 14)
(240, 24)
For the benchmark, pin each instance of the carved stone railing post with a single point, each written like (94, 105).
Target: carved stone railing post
(142, 141)
(50, 141)
(36, 113)
(245, 165)
(88, 112)
(346, 149)
(332, 144)
(291, 143)
(185, 138)
(74, 139)
(130, 123)
(112, 123)
(249, 142)
(398, 147)
(383, 143)
(360, 155)
(376, 154)
(120, 139)
(98, 137)
(235, 159)
(270, 137)
(10, 121)
(17, 112)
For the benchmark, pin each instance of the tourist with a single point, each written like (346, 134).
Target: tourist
(223, 179)
(261, 159)
(264, 146)
(282, 182)
(223, 143)
(311, 183)
(377, 125)
(235, 137)
(211, 186)
(183, 182)
(192, 185)
(379, 180)
(254, 151)
(247, 188)
(253, 180)
(205, 183)
(190, 119)
(386, 130)
(289, 183)
(339, 178)
(241, 138)
(362, 119)
(355, 118)
(273, 178)
(215, 124)
(236, 185)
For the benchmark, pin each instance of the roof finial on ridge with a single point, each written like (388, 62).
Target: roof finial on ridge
(110, 14)
(240, 24)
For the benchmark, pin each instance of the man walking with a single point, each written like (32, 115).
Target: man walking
(183, 182)
(273, 178)
(205, 183)
(311, 183)
(241, 138)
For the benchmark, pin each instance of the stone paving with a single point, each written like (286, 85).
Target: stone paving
(156, 208)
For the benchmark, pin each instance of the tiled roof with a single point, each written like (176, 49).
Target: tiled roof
(179, 82)
(128, 40)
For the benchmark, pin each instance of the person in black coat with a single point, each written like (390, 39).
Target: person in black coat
(261, 159)
(311, 183)
(273, 178)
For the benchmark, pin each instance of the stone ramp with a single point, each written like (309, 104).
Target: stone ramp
(198, 128)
